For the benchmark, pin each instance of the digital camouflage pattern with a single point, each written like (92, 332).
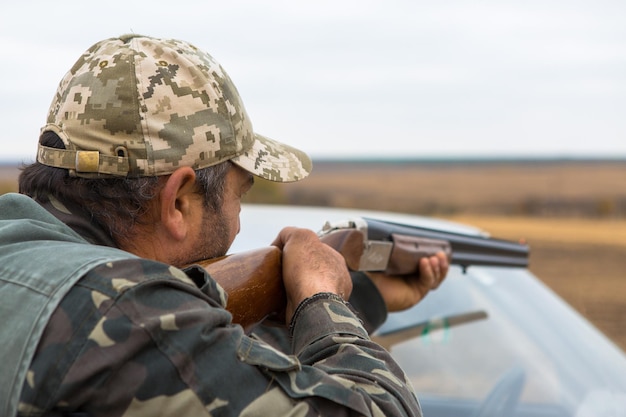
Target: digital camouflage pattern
(140, 338)
(140, 106)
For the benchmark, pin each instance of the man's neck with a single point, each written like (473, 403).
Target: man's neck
(77, 219)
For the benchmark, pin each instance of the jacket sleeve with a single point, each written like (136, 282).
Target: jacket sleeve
(367, 301)
(139, 338)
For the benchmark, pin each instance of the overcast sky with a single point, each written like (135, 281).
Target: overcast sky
(383, 78)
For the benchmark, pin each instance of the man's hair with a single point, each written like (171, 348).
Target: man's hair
(114, 203)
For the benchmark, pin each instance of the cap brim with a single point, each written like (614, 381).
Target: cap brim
(274, 161)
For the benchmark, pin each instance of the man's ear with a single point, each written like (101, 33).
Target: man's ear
(177, 197)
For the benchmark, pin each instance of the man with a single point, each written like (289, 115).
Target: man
(140, 170)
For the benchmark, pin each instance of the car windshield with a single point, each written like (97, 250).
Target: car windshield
(489, 342)
(496, 342)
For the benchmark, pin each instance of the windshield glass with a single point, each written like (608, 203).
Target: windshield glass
(495, 342)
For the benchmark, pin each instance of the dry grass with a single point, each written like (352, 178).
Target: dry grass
(609, 232)
(582, 260)
(8, 179)
(573, 215)
(587, 188)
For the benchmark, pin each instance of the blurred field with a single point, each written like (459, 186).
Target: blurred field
(583, 260)
(572, 213)
(8, 178)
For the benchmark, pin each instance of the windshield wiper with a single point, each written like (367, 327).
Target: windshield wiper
(393, 337)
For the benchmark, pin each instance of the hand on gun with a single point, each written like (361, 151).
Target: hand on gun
(310, 267)
(403, 291)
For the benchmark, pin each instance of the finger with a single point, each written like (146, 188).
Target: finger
(444, 266)
(435, 269)
(428, 275)
(282, 238)
(291, 234)
(444, 263)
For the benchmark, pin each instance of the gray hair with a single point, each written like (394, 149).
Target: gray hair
(115, 204)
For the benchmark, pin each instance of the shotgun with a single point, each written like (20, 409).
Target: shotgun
(253, 279)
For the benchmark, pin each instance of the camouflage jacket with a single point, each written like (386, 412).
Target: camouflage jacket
(134, 337)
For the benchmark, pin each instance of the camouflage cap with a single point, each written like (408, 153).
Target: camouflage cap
(139, 106)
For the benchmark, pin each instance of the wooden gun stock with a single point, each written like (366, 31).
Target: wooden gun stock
(254, 279)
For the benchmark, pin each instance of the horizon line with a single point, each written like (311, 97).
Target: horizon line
(426, 159)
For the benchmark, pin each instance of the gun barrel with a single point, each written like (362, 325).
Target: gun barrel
(467, 250)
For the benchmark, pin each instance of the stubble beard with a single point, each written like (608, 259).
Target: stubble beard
(214, 240)
(216, 236)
